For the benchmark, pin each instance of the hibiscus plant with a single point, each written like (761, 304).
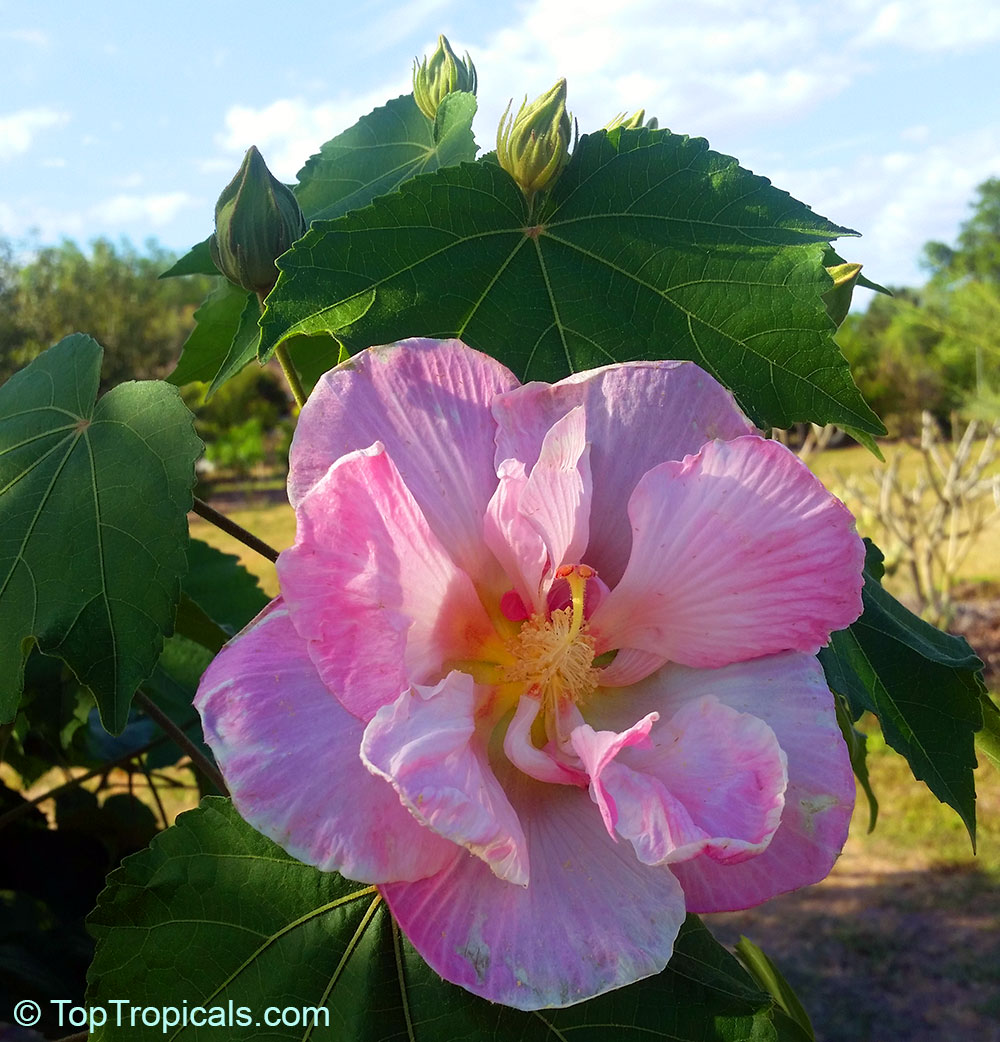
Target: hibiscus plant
(567, 649)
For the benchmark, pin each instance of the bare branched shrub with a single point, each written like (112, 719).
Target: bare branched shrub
(931, 520)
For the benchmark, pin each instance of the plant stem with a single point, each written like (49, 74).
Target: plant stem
(198, 758)
(202, 509)
(141, 764)
(294, 383)
(285, 361)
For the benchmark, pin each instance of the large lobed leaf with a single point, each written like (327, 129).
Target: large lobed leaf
(924, 686)
(381, 151)
(93, 543)
(215, 914)
(376, 155)
(650, 246)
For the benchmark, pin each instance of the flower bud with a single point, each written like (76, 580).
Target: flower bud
(257, 219)
(838, 298)
(435, 79)
(633, 122)
(533, 146)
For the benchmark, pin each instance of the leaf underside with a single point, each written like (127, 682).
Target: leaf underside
(94, 499)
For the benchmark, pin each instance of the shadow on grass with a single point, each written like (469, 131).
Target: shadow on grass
(909, 956)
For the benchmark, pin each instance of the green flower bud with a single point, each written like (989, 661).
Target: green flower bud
(533, 146)
(435, 79)
(838, 298)
(256, 220)
(633, 122)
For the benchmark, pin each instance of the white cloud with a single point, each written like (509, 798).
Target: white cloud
(29, 218)
(26, 219)
(34, 37)
(706, 67)
(290, 130)
(933, 25)
(18, 130)
(899, 200)
(157, 210)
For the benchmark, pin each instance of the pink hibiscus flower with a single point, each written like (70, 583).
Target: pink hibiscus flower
(543, 664)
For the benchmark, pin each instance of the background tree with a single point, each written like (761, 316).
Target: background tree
(113, 291)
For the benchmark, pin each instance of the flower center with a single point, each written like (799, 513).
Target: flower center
(554, 655)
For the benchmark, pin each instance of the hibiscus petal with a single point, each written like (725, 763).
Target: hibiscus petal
(707, 780)
(426, 746)
(789, 693)
(289, 754)
(638, 415)
(592, 919)
(541, 764)
(597, 750)
(428, 402)
(539, 520)
(401, 605)
(737, 552)
(630, 666)
(728, 772)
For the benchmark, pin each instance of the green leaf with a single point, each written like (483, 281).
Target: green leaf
(988, 738)
(244, 345)
(213, 913)
(219, 584)
(207, 350)
(94, 501)
(195, 623)
(857, 747)
(375, 156)
(922, 684)
(649, 246)
(197, 261)
(381, 151)
(771, 980)
(172, 687)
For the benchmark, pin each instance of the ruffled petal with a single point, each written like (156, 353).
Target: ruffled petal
(789, 693)
(539, 520)
(638, 415)
(592, 919)
(542, 764)
(372, 590)
(737, 552)
(707, 780)
(290, 755)
(427, 747)
(428, 402)
(597, 751)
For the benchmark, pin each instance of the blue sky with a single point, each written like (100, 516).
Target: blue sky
(122, 119)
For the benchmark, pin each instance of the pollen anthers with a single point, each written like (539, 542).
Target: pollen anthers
(553, 653)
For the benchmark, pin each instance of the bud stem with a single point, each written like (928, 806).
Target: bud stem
(285, 361)
(294, 383)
